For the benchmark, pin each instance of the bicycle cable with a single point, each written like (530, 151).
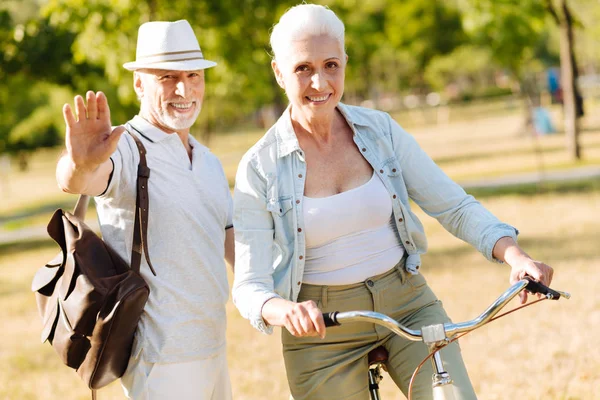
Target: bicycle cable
(412, 378)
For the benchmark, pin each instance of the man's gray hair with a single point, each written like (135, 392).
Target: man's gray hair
(305, 20)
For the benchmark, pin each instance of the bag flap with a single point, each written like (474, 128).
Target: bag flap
(56, 228)
(47, 273)
(66, 284)
(50, 322)
(79, 226)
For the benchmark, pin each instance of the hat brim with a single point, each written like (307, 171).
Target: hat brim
(188, 65)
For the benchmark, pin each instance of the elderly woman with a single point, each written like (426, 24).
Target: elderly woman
(323, 222)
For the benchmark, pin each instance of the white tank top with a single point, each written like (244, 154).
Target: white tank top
(350, 236)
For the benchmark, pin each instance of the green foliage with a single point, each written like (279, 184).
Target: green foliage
(390, 43)
(42, 126)
(30, 118)
(424, 28)
(52, 49)
(36, 78)
(467, 65)
(511, 29)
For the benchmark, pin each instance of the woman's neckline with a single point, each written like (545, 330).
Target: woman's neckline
(344, 192)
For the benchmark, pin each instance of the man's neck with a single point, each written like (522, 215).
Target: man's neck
(183, 134)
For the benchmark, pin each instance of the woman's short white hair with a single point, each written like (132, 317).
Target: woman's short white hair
(305, 20)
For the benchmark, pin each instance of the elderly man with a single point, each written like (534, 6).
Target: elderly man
(179, 351)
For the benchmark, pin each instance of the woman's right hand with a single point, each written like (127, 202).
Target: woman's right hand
(300, 319)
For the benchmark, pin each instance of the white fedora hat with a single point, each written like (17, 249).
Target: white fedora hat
(170, 46)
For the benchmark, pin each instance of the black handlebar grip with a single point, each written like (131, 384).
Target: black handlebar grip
(537, 287)
(330, 319)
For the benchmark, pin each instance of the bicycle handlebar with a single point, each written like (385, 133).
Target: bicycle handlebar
(330, 319)
(336, 318)
(537, 287)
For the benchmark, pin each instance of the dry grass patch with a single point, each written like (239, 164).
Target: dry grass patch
(543, 352)
(30, 370)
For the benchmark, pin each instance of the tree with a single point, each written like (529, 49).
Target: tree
(573, 101)
(514, 30)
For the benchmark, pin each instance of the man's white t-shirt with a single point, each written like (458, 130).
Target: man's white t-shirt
(190, 209)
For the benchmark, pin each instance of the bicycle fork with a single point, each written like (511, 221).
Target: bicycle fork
(442, 385)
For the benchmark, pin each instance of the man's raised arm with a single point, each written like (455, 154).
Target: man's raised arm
(85, 166)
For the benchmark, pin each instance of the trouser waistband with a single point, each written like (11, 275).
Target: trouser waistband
(324, 291)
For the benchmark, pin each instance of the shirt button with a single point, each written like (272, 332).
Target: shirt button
(407, 242)
(299, 175)
(394, 170)
(394, 196)
(363, 149)
(400, 220)
(370, 283)
(301, 257)
(299, 283)
(299, 229)
(381, 171)
(297, 201)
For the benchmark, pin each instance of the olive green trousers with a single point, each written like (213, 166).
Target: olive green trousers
(337, 367)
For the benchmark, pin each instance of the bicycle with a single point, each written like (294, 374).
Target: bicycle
(435, 336)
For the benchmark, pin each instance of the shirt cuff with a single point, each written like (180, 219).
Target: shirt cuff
(256, 318)
(504, 231)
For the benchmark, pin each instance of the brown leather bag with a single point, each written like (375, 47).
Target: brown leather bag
(89, 299)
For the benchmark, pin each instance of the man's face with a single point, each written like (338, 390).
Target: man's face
(171, 100)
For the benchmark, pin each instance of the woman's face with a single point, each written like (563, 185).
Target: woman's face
(312, 75)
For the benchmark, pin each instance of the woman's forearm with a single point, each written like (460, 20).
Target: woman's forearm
(508, 251)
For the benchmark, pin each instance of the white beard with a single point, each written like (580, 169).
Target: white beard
(178, 123)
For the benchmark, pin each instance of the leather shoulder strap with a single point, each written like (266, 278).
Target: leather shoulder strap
(140, 236)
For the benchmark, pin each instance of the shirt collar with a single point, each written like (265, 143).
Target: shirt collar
(147, 130)
(197, 147)
(351, 116)
(287, 142)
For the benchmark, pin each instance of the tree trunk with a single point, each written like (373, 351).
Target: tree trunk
(568, 83)
(579, 110)
(152, 10)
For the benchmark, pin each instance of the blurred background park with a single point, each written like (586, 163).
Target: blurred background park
(503, 94)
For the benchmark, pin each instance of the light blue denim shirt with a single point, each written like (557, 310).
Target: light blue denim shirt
(268, 216)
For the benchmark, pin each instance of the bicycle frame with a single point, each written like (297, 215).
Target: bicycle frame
(438, 335)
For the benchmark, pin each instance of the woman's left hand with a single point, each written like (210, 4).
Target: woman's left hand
(528, 267)
(507, 250)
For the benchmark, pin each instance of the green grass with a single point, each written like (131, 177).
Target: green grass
(525, 190)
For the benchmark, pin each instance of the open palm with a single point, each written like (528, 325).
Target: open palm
(90, 138)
